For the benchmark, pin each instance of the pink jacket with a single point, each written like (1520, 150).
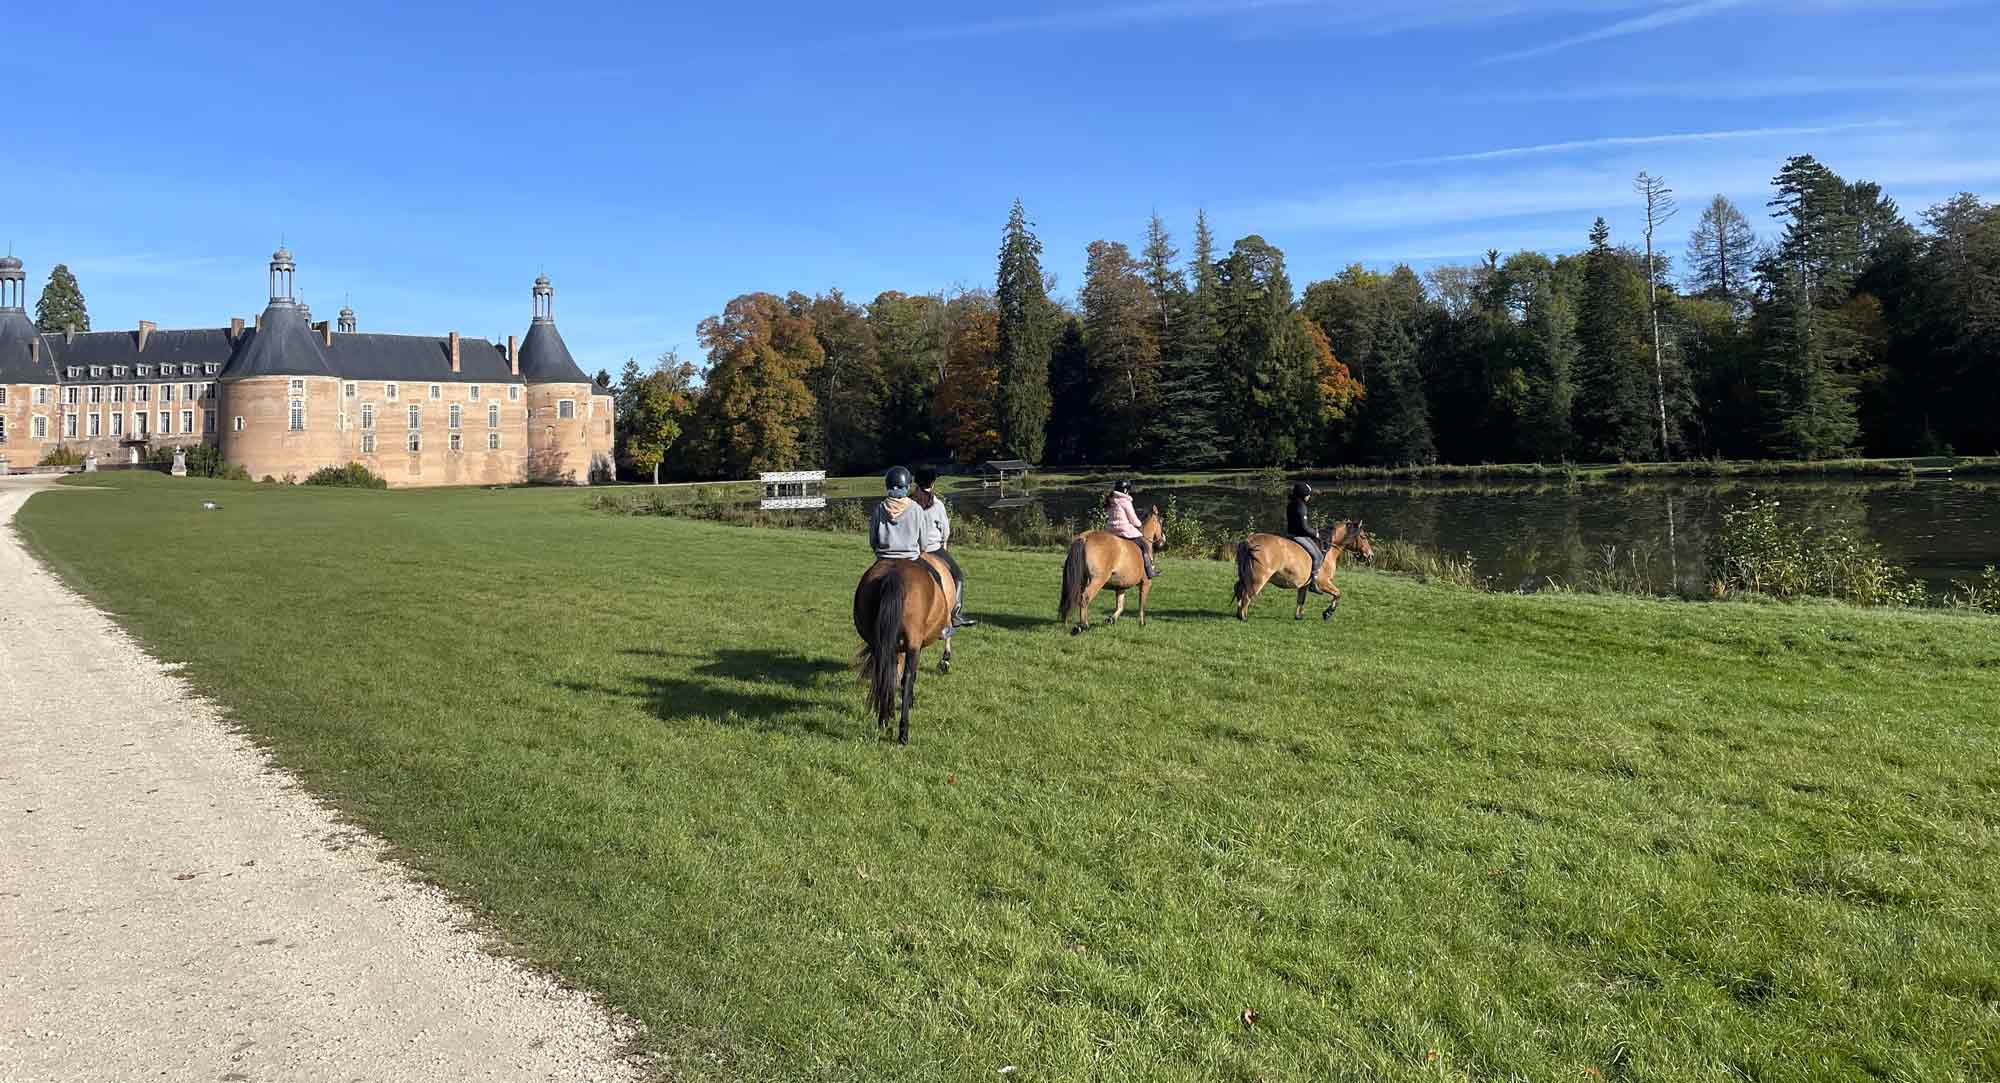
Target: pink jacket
(1122, 518)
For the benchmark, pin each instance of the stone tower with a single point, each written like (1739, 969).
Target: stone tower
(561, 408)
(279, 397)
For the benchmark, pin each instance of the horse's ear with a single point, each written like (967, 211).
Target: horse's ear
(1156, 509)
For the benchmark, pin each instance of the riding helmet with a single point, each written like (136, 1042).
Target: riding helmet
(897, 481)
(1123, 485)
(1301, 491)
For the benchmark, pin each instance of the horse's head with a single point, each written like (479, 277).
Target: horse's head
(1357, 540)
(1154, 528)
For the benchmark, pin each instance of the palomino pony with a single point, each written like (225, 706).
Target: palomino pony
(901, 607)
(1099, 559)
(1274, 558)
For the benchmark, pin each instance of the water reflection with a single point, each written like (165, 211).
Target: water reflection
(1524, 536)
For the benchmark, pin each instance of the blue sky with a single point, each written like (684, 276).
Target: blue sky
(427, 162)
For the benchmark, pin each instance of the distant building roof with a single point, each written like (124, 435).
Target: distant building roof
(420, 358)
(18, 364)
(282, 345)
(545, 359)
(203, 346)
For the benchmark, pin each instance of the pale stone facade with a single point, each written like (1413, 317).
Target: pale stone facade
(285, 397)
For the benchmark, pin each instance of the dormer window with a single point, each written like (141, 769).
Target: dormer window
(97, 372)
(75, 372)
(437, 392)
(475, 392)
(298, 387)
(145, 370)
(513, 392)
(187, 370)
(118, 371)
(211, 369)
(389, 392)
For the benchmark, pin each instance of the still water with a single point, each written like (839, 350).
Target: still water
(1520, 536)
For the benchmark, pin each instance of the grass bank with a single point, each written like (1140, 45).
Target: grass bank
(1449, 835)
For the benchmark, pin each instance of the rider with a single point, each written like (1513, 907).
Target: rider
(937, 538)
(1298, 524)
(893, 532)
(1122, 519)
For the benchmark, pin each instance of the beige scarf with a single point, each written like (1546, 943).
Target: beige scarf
(896, 505)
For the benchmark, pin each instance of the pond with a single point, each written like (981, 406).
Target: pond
(1523, 535)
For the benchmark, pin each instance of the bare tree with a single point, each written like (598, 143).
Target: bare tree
(1659, 208)
(1720, 252)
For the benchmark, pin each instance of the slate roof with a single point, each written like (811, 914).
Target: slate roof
(207, 346)
(282, 345)
(545, 358)
(418, 358)
(16, 364)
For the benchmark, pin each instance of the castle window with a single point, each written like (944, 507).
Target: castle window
(367, 416)
(210, 369)
(208, 421)
(351, 390)
(145, 370)
(454, 416)
(492, 415)
(389, 390)
(416, 418)
(475, 392)
(437, 392)
(3, 429)
(41, 396)
(187, 370)
(166, 422)
(41, 429)
(96, 395)
(187, 421)
(187, 392)
(236, 424)
(3, 396)
(493, 441)
(207, 392)
(97, 372)
(566, 409)
(367, 443)
(117, 424)
(75, 371)
(298, 388)
(69, 426)
(139, 424)
(118, 371)
(96, 425)
(142, 393)
(416, 440)
(117, 393)
(455, 445)
(298, 419)
(70, 394)
(513, 392)
(166, 392)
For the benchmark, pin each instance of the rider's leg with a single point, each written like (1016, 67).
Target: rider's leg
(1146, 551)
(958, 617)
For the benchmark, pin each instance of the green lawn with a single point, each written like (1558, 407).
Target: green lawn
(1447, 835)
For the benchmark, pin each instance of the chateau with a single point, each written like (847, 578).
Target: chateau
(287, 396)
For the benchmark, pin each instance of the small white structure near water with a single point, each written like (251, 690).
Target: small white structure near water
(792, 489)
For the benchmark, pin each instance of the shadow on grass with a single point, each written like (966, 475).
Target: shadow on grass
(714, 690)
(1013, 622)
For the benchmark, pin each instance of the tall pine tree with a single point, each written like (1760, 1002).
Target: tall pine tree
(1189, 382)
(1613, 401)
(1720, 254)
(1121, 333)
(1072, 432)
(1026, 340)
(1808, 350)
(61, 306)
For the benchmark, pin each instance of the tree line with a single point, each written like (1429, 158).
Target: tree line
(1844, 329)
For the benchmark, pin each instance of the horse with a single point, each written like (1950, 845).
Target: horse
(900, 607)
(1275, 558)
(1099, 558)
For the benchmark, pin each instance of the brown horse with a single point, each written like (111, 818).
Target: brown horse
(1274, 558)
(1099, 559)
(900, 607)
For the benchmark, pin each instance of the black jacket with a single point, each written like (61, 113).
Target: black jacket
(1297, 522)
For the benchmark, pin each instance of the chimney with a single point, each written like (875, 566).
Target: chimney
(69, 333)
(513, 357)
(235, 329)
(146, 329)
(454, 351)
(35, 350)
(325, 330)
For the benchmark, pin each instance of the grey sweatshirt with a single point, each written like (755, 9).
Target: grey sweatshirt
(902, 537)
(938, 521)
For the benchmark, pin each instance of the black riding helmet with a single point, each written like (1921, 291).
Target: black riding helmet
(1122, 485)
(897, 481)
(1301, 491)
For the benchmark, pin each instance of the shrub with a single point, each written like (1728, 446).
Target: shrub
(62, 455)
(351, 476)
(1428, 565)
(1755, 550)
(1982, 593)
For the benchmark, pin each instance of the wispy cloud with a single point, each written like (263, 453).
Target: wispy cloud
(141, 265)
(1751, 89)
(1637, 141)
(1624, 27)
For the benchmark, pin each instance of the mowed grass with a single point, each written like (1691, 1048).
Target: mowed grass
(1448, 835)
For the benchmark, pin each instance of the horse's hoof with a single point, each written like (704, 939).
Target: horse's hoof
(1076, 630)
(944, 665)
(1328, 615)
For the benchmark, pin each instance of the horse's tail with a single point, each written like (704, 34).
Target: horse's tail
(883, 647)
(1076, 574)
(1246, 553)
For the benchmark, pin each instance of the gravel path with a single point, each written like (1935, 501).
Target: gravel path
(173, 907)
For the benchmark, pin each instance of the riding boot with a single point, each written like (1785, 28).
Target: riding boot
(958, 617)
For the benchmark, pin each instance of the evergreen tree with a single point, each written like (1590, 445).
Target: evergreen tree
(1254, 304)
(61, 306)
(1720, 254)
(1613, 421)
(1808, 349)
(1163, 279)
(1189, 382)
(1072, 432)
(1026, 340)
(1551, 330)
(1120, 329)
(910, 346)
(1397, 424)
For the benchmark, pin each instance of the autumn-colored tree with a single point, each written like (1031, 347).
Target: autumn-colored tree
(756, 400)
(1336, 390)
(967, 403)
